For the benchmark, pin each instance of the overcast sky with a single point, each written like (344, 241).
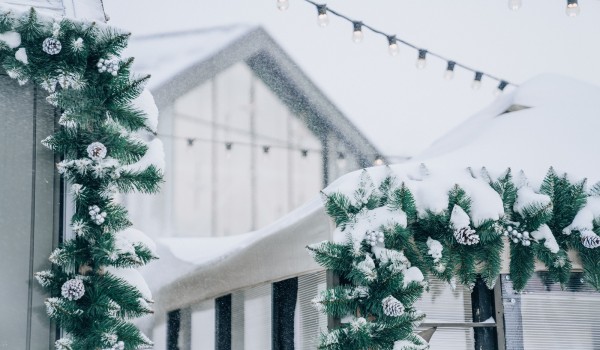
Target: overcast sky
(400, 109)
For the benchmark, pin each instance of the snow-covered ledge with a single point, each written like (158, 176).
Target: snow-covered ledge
(203, 268)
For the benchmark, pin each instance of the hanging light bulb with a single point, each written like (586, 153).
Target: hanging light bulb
(190, 142)
(393, 48)
(500, 88)
(514, 4)
(449, 73)
(378, 160)
(341, 161)
(304, 153)
(283, 5)
(422, 60)
(322, 19)
(266, 149)
(228, 146)
(573, 8)
(357, 34)
(476, 84)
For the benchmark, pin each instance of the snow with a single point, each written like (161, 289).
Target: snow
(584, 220)
(12, 39)
(435, 249)
(132, 235)
(558, 130)
(527, 197)
(154, 156)
(544, 232)
(408, 345)
(21, 56)
(134, 278)
(459, 218)
(413, 274)
(145, 103)
(490, 320)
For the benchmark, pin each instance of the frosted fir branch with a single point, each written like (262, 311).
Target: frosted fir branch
(64, 344)
(44, 278)
(367, 268)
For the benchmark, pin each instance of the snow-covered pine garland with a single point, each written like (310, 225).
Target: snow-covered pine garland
(100, 138)
(449, 235)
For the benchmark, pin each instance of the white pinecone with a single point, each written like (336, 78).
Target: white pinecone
(392, 307)
(96, 151)
(73, 289)
(590, 240)
(51, 46)
(466, 235)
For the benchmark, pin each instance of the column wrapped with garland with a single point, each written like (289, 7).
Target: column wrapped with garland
(103, 140)
(392, 235)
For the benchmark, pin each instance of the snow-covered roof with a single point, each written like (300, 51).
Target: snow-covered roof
(548, 121)
(92, 10)
(180, 61)
(558, 129)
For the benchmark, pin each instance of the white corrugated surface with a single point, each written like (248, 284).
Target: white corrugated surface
(309, 322)
(251, 318)
(442, 304)
(545, 317)
(203, 325)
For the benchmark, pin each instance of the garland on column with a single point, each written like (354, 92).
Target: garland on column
(387, 242)
(101, 139)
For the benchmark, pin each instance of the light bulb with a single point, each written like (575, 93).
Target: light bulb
(283, 5)
(476, 84)
(514, 4)
(393, 49)
(500, 88)
(322, 19)
(378, 161)
(357, 34)
(341, 161)
(449, 73)
(573, 8)
(422, 60)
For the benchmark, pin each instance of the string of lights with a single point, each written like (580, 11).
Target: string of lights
(393, 41)
(266, 148)
(572, 10)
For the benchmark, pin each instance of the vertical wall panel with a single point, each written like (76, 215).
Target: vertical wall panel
(257, 318)
(309, 322)
(28, 214)
(203, 325)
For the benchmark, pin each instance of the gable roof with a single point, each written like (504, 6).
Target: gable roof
(180, 61)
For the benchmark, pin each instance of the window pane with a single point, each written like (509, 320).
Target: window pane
(546, 317)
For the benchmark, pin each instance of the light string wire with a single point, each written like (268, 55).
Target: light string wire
(323, 8)
(266, 147)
